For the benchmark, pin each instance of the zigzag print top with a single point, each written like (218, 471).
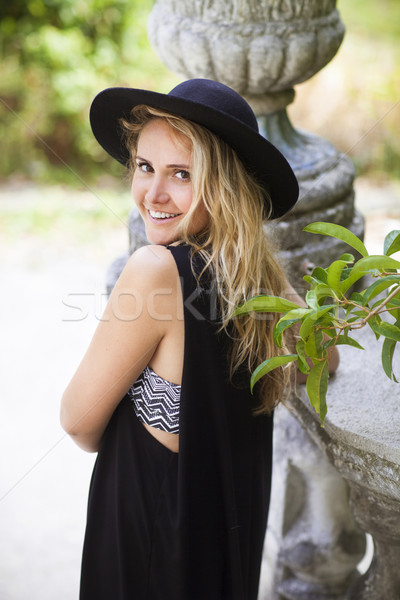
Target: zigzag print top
(156, 401)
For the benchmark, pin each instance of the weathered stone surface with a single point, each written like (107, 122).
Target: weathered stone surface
(375, 441)
(114, 271)
(250, 10)
(326, 194)
(255, 47)
(313, 544)
(379, 515)
(137, 239)
(308, 250)
(361, 439)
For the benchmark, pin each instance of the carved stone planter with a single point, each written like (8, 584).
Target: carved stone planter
(256, 47)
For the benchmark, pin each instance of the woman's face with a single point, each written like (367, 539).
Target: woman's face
(161, 185)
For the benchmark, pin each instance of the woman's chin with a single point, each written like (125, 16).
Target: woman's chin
(161, 238)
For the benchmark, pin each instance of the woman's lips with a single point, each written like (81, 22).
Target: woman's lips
(161, 217)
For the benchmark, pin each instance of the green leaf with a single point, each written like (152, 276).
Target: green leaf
(322, 292)
(343, 340)
(388, 330)
(376, 262)
(378, 286)
(369, 263)
(354, 319)
(388, 349)
(346, 273)
(317, 385)
(329, 332)
(357, 297)
(263, 303)
(269, 365)
(311, 299)
(334, 275)
(309, 322)
(392, 242)
(360, 313)
(320, 275)
(394, 303)
(374, 321)
(348, 258)
(289, 319)
(302, 363)
(314, 345)
(317, 295)
(338, 232)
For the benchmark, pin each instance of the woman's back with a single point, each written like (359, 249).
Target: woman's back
(188, 525)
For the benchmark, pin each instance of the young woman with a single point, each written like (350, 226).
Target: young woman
(179, 497)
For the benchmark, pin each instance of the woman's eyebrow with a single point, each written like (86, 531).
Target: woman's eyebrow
(187, 167)
(171, 166)
(143, 159)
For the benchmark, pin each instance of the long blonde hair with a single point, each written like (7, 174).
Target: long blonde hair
(234, 246)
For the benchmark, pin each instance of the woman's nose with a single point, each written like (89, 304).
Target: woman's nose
(157, 191)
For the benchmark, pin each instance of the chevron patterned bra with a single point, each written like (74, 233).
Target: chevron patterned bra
(156, 401)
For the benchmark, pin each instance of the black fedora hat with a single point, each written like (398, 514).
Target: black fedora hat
(214, 106)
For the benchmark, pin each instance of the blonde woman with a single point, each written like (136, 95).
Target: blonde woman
(179, 497)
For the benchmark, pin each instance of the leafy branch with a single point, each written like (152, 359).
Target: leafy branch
(334, 310)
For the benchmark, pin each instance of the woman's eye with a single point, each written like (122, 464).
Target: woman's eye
(183, 175)
(144, 167)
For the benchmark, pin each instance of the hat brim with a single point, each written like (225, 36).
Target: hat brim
(266, 163)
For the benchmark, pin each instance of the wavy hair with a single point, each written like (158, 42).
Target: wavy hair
(234, 246)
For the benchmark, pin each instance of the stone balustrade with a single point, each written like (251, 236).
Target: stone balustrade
(352, 463)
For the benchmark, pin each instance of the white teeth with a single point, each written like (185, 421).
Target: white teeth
(161, 215)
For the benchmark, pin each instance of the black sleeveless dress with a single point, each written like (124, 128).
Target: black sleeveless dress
(187, 526)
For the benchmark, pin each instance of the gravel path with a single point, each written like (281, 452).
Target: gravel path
(52, 296)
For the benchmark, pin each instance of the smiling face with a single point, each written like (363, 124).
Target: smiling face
(161, 184)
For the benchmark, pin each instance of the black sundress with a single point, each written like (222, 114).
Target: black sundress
(187, 526)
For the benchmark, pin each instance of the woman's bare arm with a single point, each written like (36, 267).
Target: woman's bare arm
(123, 344)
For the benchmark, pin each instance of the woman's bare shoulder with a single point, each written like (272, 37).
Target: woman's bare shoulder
(148, 268)
(149, 280)
(152, 262)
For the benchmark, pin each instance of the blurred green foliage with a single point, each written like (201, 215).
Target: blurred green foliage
(371, 18)
(55, 56)
(373, 29)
